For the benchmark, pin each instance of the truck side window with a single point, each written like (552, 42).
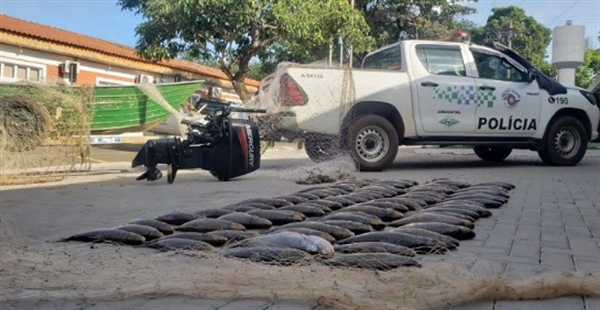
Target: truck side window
(442, 60)
(494, 67)
(388, 59)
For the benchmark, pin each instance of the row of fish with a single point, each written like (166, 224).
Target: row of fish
(376, 224)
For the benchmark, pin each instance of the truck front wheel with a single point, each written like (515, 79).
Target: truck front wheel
(491, 153)
(373, 141)
(565, 142)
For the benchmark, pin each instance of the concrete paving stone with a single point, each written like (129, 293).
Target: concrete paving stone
(552, 222)
(504, 229)
(488, 267)
(563, 303)
(573, 220)
(525, 251)
(581, 245)
(562, 244)
(553, 231)
(552, 214)
(586, 262)
(564, 261)
(591, 303)
(247, 305)
(182, 302)
(499, 241)
(292, 305)
(524, 270)
(555, 250)
(474, 305)
(529, 243)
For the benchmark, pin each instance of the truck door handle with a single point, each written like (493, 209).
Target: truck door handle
(487, 87)
(429, 84)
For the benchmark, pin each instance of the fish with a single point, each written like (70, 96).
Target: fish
(418, 243)
(431, 217)
(344, 201)
(411, 204)
(355, 227)
(397, 184)
(378, 261)
(383, 214)
(471, 214)
(163, 227)
(308, 196)
(307, 210)
(387, 204)
(248, 220)
(355, 198)
(348, 188)
(212, 212)
(389, 191)
(328, 203)
(450, 242)
(270, 201)
(322, 193)
(176, 218)
(337, 232)
(207, 225)
(279, 217)
(148, 232)
(454, 215)
(273, 255)
(459, 201)
(108, 235)
(257, 205)
(487, 201)
(180, 244)
(454, 231)
(504, 185)
(241, 208)
(310, 232)
(369, 195)
(376, 223)
(212, 239)
(374, 247)
(429, 199)
(482, 212)
(234, 235)
(485, 191)
(307, 243)
(316, 205)
(293, 199)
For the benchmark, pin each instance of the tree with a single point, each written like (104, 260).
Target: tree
(587, 72)
(232, 32)
(510, 26)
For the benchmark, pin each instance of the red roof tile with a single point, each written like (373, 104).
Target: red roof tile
(60, 36)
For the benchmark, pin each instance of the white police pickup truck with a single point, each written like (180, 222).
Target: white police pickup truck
(433, 93)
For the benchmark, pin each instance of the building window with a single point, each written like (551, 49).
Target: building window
(110, 82)
(12, 72)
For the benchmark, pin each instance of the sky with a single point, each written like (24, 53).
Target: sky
(104, 18)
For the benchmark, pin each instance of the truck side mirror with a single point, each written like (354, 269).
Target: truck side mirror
(531, 76)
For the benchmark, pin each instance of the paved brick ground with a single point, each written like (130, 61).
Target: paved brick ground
(551, 223)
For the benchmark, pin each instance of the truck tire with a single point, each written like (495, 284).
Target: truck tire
(24, 123)
(492, 153)
(320, 148)
(565, 142)
(373, 141)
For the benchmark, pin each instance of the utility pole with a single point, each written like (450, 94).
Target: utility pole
(506, 34)
(351, 52)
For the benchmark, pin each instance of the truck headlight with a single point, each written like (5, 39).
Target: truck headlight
(589, 96)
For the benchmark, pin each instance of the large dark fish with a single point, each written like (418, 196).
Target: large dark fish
(307, 243)
(337, 232)
(496, 183)
(450, 242)
(257, 205)
(212, 213)
(293, 199)
(163, 227)
(388, 191)
(428, 192)
(378, 261)
(328, 203)
(309, 232)
(431, 217)
(307, 210)
(418, 243)
(176, 218)
(487, 201)
(357, 217)
(411, 204)
(270, 201)
(355, 198)
(207, 225)
(248, 220)
(234, 235)
(429, 199)
(482, 212)
(180, 244)
(308, 196)
(312, 188)
(458, 201)
(279, 217)
(397, 184)
(316, 205)
(374, 247)
(241, 208)
(382, 213)
(275, 255)
(471, 214)
(337, 191)
(454, 231)
(348, 188)
(454, 215)
(343, 201)
(388, 204)
(355, 227)
(108, 235)
(369, 195)
(148, 232)
(485, 191)
(214, 240)
(322, 193)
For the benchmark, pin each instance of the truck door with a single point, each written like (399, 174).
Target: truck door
(446, 93)
(511, 104)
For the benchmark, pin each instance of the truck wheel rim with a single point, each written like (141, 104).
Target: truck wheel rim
(372, 144)
(567, 142)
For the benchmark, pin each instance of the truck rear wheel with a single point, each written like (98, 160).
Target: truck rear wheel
(373, 141)
(492, 153)
(24, 123)
(321, 147)
(565, 142)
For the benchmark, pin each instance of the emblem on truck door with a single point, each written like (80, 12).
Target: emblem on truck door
(449, 121)
(511, 98)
